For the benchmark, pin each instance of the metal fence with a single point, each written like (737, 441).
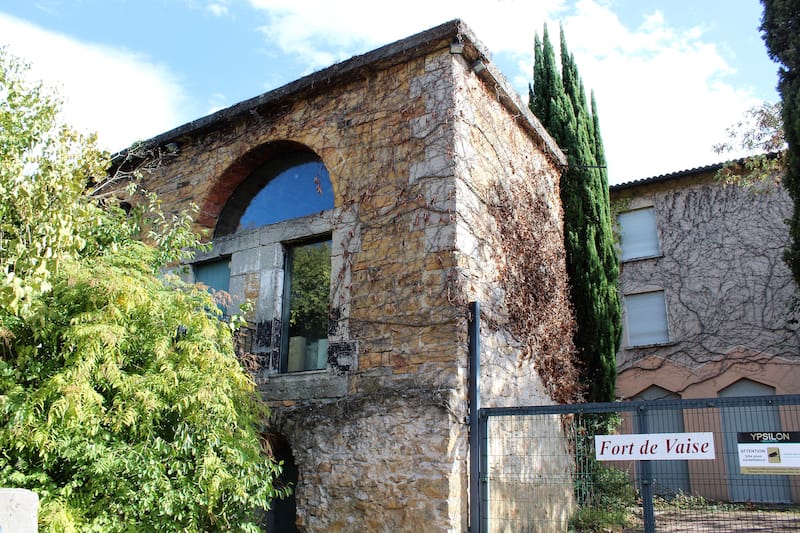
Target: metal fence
(539, 470)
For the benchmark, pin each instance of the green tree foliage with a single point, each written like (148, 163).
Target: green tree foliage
(760, 135)
(42, 173)
(780, 27)
(559, 101)
(311, 274)
(121, 401)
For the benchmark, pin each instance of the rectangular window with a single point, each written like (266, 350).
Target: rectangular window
(306, 307)
(216, 275)
(646, 318)
(638, 234)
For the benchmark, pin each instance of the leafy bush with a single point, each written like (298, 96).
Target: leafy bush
(609, 503)
(121, 401)
(604, 494)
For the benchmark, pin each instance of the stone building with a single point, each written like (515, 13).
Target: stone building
(360, 209)
(707, 301)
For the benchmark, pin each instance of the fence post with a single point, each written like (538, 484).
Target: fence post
(475, 443)
(646, 481)
(483, 435)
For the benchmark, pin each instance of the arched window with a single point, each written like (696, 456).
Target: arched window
(288, 186)
(762, 488)
(273, 214)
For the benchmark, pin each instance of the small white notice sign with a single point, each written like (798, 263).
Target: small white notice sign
(769, 452)
(654, 447)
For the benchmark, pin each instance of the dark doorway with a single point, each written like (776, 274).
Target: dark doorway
(282, 516)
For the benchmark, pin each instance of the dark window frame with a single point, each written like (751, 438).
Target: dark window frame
(286, 298)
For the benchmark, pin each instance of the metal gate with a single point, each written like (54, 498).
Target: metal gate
(538, 469)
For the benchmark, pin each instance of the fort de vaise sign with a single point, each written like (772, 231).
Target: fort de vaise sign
(654, 446)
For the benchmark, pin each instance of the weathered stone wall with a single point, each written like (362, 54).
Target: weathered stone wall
(504, 178)
(421, 154)
(727, 288)
(393, 252)
(506, 182)
(368, 457)
(378, 463)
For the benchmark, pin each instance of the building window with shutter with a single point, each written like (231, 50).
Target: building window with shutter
(638, 234)
(646, 318)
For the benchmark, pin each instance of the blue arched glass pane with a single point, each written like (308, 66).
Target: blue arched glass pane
(298, 191)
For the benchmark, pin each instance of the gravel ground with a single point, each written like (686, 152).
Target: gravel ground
(720, 521)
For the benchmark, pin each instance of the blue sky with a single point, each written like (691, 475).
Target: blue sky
(669, 76)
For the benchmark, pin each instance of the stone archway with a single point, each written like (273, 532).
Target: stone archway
(236, 173)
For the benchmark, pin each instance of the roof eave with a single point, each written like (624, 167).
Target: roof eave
(714, 167)
(397, 52)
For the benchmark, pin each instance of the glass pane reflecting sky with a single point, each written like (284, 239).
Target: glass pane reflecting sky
(299, 191)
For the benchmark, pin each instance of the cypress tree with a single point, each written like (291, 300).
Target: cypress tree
(552, 105)
(599, 151)
(535, 102)
(780, 27)
(559, 101)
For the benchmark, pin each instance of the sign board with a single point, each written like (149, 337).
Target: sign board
(769, 452)
(654, 447)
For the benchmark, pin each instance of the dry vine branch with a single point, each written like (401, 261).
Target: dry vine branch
(535, 289)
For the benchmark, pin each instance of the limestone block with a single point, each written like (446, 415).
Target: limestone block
(438, 61)
(304, 385)
(273, 255)
(437, 164)
(236, 289)
(252, 285)
(243, 240)
(268, 304)
(248, 260)
(440, 194)
(466, 241)
(440, 237)
(422, 126)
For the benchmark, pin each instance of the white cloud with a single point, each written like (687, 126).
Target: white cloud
(119, 94)
(217, 9)
(320, 33)
(662, 95)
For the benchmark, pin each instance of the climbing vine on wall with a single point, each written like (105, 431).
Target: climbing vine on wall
(532, 276)
(727, 289)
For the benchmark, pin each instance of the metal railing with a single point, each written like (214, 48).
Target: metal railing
(539, 471)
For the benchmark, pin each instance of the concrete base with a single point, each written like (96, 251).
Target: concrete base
(19, 511)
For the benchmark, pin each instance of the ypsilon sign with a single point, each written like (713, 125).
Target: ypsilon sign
(769, 452)
(654, 447)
